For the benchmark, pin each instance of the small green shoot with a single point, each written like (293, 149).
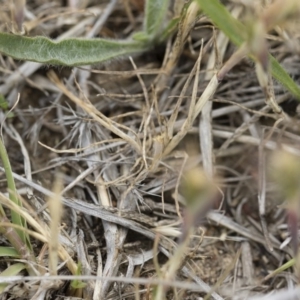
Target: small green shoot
(4, 107)
(75, 289)
(3, 103)
(281, 269)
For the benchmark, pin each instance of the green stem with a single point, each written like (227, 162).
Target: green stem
(16, 218)
(15, 240)
(19, 239)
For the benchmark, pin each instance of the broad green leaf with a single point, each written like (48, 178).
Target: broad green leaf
(235, 31)
(155, 15)
(12, 270)
(8, 251)
(68, 52)
(140, 36)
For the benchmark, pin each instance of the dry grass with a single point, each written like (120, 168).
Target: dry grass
(124, 135)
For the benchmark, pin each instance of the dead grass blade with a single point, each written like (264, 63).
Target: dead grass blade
(96, 115)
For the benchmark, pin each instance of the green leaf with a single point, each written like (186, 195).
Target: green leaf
(222, 18)
(281, 269)
(155, 15)
(3, 103)
(279, 73)
(4, 106)
(170, 28)
(8, 251)
(11, 271)
(140, 36)
(78, 284)
(68, 52)
(80, 51)
(236, 32)
(15, 217)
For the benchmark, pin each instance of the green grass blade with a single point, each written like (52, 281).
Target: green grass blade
(281, 269)
(235, 31)
(169, 29)
(11, 271)
(15, 217)
(155, 15)
(68, 52)
(222, 18)
(284, 78)
(8, 251)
